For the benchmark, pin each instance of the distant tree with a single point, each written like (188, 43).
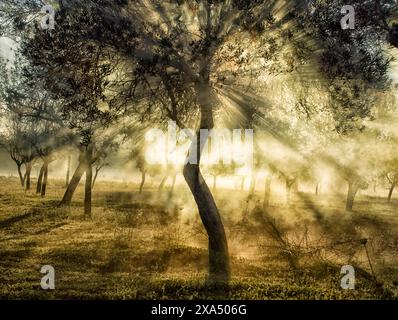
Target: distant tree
(81, 82)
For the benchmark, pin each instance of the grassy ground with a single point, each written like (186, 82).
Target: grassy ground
(150, 246)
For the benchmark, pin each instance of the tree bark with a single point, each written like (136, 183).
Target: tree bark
(143, 177)
(163, 182)
(267, 191)
(74, 182)
(67, 171)
(88, 185)
(28, 171)
(390, 192)
(352, 191)
(45, 176)
(219, 268)
(39, 180)
(21, 177)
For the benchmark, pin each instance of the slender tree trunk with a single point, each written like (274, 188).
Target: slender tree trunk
(74, 182)
(45, 176)
(21, 177)
(253, 183)
(267, 191)
(28, 171)
(67, 171)
(317, 189)
(352, 191)
(143, 177)
(39, 180)
(162, 183)
(242, 185)
(390, 192)
(88, 186)
(214, 183)
(219, 268)
(173, 183)
(97, 170)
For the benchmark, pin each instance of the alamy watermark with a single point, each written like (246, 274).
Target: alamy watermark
(48, 281)
(348, 280)
(348, 21)
(182, 146)
(48, 20)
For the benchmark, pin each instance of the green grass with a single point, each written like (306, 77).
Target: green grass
(141, 247)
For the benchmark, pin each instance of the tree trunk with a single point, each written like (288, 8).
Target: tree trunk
(267, 191)
(253, 183)
(44, 184)
(28, 171)
(39, 180)
(21, 177)
(317, 189)
(88, 186)
(219, 268)
(67, 172)
(97, 170)
(352, 191)
(74, 182)
(242, 185)
(214, 183)
(390, 192)
(162, 183)
(173, 183)
(143, 176)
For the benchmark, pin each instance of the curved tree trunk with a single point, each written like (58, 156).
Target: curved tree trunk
(97, 170)
(74, 182)
(352, 191)
(39, 180)
(21, 177)
(267, 191)
(45, 176)
(317, 189)
(219, 268)
(143, 177)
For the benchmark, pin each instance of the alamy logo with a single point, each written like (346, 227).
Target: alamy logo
(48, 20)
(48, 281)
(348, 21)
(348, 280)
(216, 145)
